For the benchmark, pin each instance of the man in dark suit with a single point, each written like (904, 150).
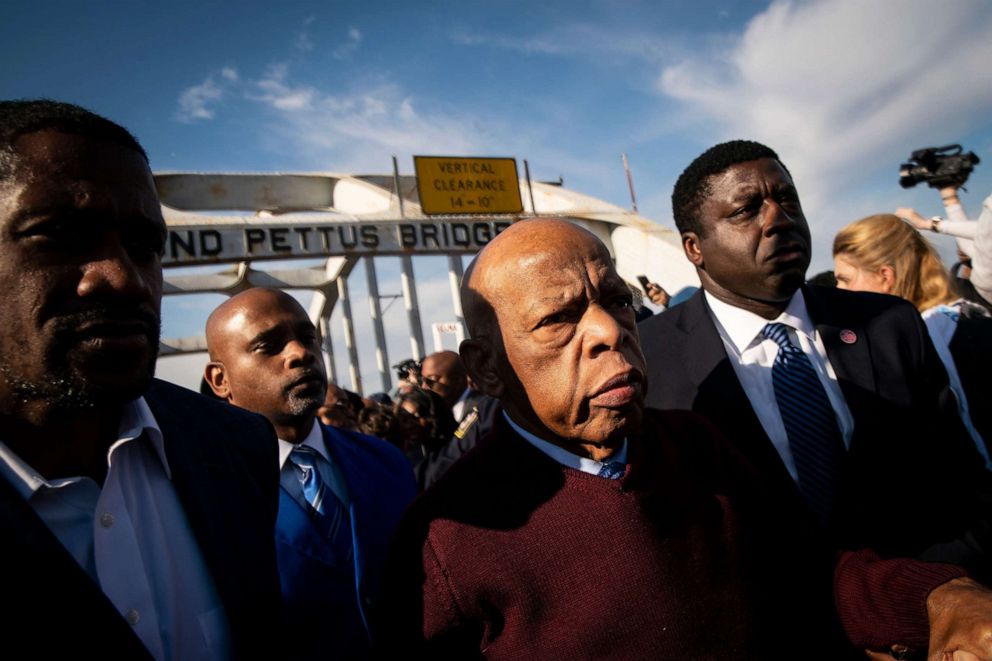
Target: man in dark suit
(137, 517)
(342, 492)
(859, 453)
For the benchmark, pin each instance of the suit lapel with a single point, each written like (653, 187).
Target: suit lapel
(363, 496)
(205, 477)
(719, 394)
(850, 359)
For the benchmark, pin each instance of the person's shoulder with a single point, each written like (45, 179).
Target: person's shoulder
(858, 300)
(369, 448)
(858, 305)
(189, 407)
(490, 469)
(664, 319)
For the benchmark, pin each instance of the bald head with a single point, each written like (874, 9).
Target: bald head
(228, 317)
(444, 373)
(553, 333)
(265, 357)
(508, 256)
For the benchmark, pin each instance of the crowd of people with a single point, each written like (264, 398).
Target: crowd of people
(768, 469)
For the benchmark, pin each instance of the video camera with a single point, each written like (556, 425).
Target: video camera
(404, 367)
(938, 166)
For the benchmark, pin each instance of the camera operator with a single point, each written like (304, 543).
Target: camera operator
(407, 376)
(974, 238)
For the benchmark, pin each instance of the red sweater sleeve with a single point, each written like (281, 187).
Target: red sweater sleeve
(884, 602)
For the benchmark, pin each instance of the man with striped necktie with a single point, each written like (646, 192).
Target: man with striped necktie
(837, 397)
(342, 492)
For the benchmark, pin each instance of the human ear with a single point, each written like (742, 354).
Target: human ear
(690, 244)
(217, 380)
(479, 359)
(888, 276)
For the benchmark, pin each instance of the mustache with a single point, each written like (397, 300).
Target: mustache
(307, 374)
(72, 322)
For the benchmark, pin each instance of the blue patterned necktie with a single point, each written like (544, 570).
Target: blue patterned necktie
(810, 422)
(326, 510)
(612, 470)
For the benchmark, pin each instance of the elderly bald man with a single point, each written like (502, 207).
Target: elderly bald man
(341, 492)
(583, 526)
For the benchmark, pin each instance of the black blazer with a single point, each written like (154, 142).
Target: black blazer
(225, 470)
(913, 484)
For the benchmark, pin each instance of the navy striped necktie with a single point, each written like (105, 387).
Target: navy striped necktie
(328, 513)
(810, 422)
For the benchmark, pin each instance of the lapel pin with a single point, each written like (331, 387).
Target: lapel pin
(848, 337)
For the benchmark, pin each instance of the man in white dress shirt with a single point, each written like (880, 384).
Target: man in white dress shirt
(131, 527)
(855, 442)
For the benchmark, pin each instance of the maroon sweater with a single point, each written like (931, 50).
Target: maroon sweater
(512, 556)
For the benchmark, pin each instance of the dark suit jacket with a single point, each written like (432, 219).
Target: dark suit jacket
(380, 485)
(224, 468)
(913, 484)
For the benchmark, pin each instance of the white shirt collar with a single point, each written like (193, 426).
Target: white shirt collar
(314, 439)
(563, 456)
(136, 418)
(743, 327)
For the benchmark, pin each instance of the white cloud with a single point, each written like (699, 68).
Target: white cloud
(279, 95)
(350, 45)
(303, 40)
(196, 102)
(841, 89)
(358, 129)
(199, 102)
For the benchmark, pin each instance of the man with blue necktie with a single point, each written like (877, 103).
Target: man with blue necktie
(837, 398)
(342, 492)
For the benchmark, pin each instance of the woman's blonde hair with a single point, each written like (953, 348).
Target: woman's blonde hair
(887, 240)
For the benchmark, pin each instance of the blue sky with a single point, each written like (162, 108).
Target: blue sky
(842, 89)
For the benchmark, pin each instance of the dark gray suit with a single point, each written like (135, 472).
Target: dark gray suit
(907, 436)
(224, 465)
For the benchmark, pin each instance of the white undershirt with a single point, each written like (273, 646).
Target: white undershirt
(752, 357)
(133, 539)
(458, 410)
(563, 456)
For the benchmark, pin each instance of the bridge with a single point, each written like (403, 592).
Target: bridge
(229, 232)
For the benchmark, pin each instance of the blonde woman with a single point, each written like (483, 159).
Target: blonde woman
(885, 254)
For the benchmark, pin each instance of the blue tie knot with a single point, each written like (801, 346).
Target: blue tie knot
(779, 334)
(303, 456)
(613, 470)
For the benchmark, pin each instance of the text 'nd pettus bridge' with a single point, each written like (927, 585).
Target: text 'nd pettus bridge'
(241, 219)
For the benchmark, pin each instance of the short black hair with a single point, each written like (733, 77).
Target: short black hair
(693, 185)
(25, 116)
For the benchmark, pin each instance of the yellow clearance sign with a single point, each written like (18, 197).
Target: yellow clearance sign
(459, 185)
